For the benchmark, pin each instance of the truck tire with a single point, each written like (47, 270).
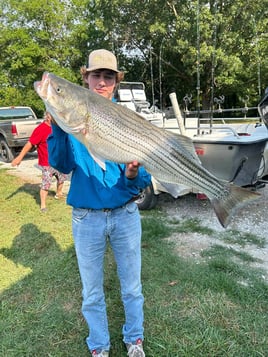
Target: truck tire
(147, 199)
(6, 153)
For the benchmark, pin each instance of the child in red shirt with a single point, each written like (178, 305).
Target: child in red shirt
(38, 139)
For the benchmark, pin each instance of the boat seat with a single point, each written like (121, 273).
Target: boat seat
(125, 95)
(139, 95)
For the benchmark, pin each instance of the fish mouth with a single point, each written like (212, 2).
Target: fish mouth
(44, 88)
(41, 87)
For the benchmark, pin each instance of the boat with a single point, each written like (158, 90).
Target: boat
(233, 149)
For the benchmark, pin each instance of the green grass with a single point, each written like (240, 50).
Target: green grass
(215, 306)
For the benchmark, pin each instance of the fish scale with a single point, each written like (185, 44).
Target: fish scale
(115, 133)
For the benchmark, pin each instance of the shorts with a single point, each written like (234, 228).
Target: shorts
(47, 175)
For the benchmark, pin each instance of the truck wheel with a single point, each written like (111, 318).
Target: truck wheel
(6, 153)
(147, 199)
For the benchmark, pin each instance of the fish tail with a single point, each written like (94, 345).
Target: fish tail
(236, 198)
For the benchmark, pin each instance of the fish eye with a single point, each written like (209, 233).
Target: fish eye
(58, 89)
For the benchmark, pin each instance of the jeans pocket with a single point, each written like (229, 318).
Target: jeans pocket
(79, 213)
(131, 207)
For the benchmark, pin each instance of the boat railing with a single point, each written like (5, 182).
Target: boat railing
(244, 110)
(222, 128)
(238, 126)
(205, 129)
(212, 117)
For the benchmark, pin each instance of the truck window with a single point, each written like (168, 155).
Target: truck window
(15, 113)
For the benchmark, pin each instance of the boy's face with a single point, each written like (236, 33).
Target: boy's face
(103, 82)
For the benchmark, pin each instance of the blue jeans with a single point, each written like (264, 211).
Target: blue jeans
(91, 230)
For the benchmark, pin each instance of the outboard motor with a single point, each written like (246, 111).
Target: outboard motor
(263, 108)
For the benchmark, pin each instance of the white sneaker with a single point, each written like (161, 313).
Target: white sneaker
(135, 349)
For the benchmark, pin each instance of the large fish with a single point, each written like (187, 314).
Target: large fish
(113, 132)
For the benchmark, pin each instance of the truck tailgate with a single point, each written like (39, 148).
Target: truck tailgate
(24, 128)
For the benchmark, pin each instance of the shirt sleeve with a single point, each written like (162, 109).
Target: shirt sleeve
(37, 135)
(60, 152)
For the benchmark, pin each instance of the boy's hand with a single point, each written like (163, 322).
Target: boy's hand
(132, 169)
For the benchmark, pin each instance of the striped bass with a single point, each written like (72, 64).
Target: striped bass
(116, 133)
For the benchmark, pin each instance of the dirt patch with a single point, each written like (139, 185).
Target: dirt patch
(251, 219)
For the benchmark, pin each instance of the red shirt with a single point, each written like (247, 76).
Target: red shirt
(39, 138)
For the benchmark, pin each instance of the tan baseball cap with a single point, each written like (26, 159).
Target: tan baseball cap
(102, 59)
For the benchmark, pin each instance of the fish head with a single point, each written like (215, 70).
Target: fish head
(63, 100)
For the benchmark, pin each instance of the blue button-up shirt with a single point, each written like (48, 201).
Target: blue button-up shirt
(91, 186)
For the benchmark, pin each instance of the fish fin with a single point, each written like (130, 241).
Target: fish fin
(174, 189)
(186, 143)
(99, 161)
(237, 198)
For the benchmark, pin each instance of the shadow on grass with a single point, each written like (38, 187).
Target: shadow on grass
(41, 312)
(32, 189)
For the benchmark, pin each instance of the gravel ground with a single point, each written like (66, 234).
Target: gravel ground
(250, 219)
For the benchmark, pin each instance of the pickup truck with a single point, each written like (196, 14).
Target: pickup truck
(16, 126)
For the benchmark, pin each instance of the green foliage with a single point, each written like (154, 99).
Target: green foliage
(169, 43)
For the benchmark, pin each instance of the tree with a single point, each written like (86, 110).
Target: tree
(34, 39)
(202, 48)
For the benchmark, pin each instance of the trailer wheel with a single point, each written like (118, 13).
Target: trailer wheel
(147, 199)
(6, 153)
